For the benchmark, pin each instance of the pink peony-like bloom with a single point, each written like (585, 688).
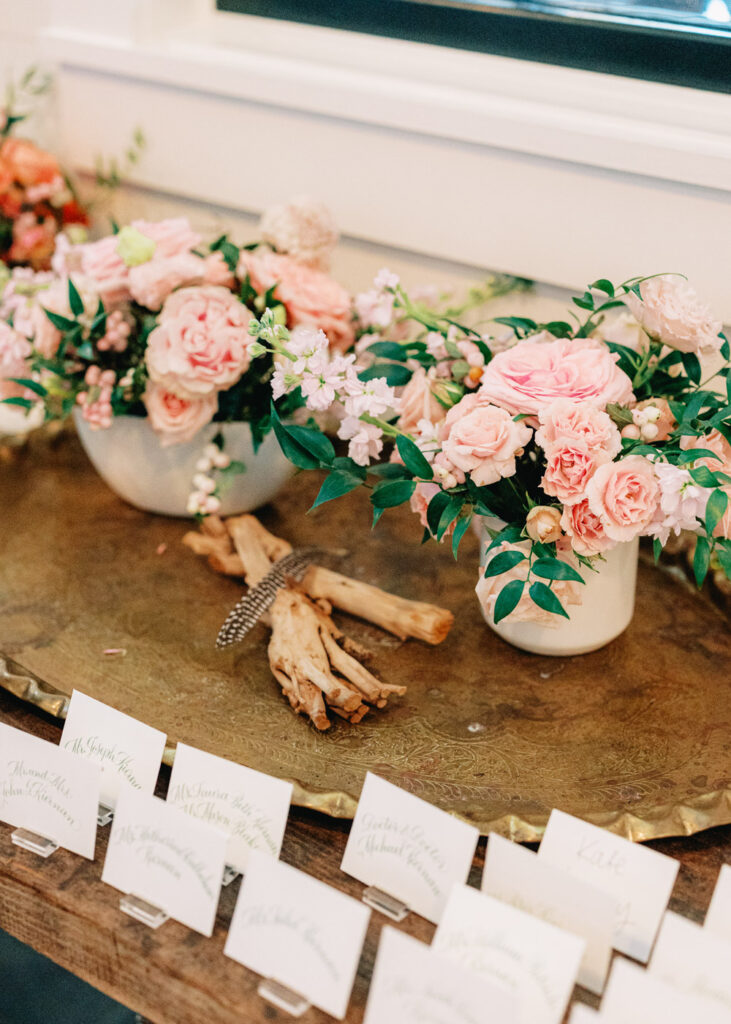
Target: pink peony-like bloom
(303, 229)
(201, 342)
(564, 421)
(177, 419)
(309, 296)
(624, 495)
(570, 465)
(150, 283)
(533, 374)
(15, 351)
(482, 440)
(585, 530)
(567, 591)
(671, 312)
(418, 403)
(715, 442)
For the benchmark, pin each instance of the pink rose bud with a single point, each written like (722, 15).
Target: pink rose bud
(543, 524)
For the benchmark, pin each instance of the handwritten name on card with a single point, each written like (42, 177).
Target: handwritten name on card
(693, 959)
(49, 791)
(535, 961)
(128, 752)
(640, 879)
(412, 985)
(407, 847)
(517, 876)
(167, 858)
(299, 931)
(250, 807)
(636, 996)
(718, 918)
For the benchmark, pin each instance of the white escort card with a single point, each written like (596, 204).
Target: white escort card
(48, 791)
(636, 996)
(250, 807)
(517, 876)
(582, 1014)
(693, 959)
(534, 960)
(407, 847)
(128, 752)
(167, 858)
(292, 928)
(718, 918)
(412, 985)
(640, 879)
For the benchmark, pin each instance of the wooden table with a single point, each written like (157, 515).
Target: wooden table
(174, 976)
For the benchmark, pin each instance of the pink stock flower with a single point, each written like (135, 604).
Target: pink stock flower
(177, 419)
(584, 530)
(671, 312)
(570, 466)
(532, 374)
(482, 440)
(682, 501)
(15, 351)
(624, 495)
(564, 421)
(567, 591)
(418, 403)
(201, 342)
(365, 440)
(303, 229)
(309, 296)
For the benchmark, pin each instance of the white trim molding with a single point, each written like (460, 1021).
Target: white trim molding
(550, 172)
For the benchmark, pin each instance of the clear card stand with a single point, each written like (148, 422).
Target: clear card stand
(142, 911)
(282, 997)
(104, 815)
(28, 840)
(229, 875)
(385, 904)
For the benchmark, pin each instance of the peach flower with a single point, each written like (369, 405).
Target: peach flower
(585, 530)
(565, 420)
(671, 312)
(309, 296)
(570, 465)
(28, 164)
(482, 440)
(201, 342)
(543, 524)
(567, 591)
(624, 495)
(302, 228)
(533, 374)
(418, 403)
(419, 501)
(712, 442)
(177, 419)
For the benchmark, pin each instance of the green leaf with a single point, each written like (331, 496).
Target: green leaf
(507, 599)
(346, 465)
(389, 493)
(228, 250)
(394, 374)
(413, 458)
(85, 350)
(460, 529)
(656, 548)
(387, 350)
(701, 559)
(520, 324)
(295, 452)
(694, 405)
(503, 561)
(693, 454)
(62, 323)
(377, 513)
(559, 329)
(703, 476)
(715, 510)
(584, 303)
(545, 598)
(75, 301)
(602, 285)
(555, 569)
(390, 471)
(692, 366)
(448, 516)
(435, 509)
(24, 403)
(512, 532)
(313, 441)
(335, 485)
(31, 385)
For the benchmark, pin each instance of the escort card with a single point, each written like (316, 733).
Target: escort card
(636, 996)
(693, 959)
(412, 985)
(128, 752)
(640, 879)
(164, 856)
(517, 876)
(48, 791)
(250, 807)
(299, 931)
(407, 847)
(718, 918)
(534, 960)
(582, 1014)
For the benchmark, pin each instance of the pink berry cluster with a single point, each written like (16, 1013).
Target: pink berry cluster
(116, 335)
(96, 403)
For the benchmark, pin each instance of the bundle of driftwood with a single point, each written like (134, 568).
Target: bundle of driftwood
(316, 665)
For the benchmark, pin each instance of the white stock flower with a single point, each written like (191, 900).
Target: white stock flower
(373, 397)
(682, 501)
(365, 439)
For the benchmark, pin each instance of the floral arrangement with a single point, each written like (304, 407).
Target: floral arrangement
(149, 321)
(569, 437)
(37, 200)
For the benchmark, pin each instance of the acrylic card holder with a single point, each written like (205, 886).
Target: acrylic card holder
(229, 875)
(282, 997)
(27, 840)
(381, 901)
(142, 910)
(104, 815)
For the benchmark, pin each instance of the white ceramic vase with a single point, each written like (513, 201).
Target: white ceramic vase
(608, 602)
(129, 458)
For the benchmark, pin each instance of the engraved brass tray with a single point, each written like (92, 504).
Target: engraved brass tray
(636, 737)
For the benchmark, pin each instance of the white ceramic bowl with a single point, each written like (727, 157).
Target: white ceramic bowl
(129, 458)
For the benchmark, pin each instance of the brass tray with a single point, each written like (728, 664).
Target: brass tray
(636, 737)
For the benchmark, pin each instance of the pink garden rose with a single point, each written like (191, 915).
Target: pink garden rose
(624, 495)
(15, 350)
(309, 296)
(584, 530)
(570, 465)
(418, 403)
(533, 374)
(671, 312)
(201, 342)
(565, 420)
(177, 419)
(483, 440)
(567, 591)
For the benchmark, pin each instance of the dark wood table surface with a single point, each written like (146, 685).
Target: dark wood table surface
(173, 975)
